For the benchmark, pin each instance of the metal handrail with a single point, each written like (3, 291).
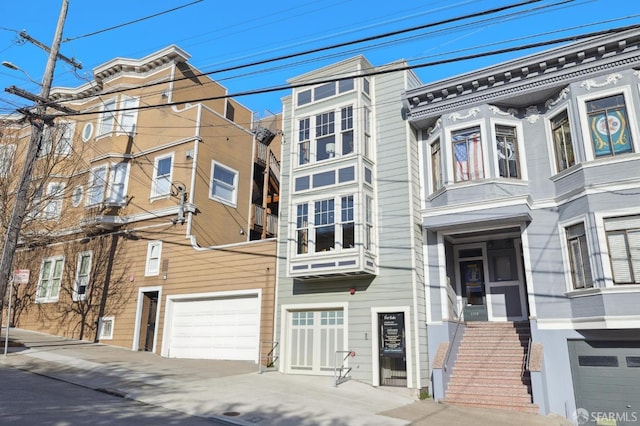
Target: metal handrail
(446, 357)
(339, 377)
(527, 359)
(270, 357)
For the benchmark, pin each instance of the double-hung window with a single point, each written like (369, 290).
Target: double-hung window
(117, 183)
(303, 140)
(64, 138)
(54, 197)
(467, 155)
(347, 222)
(107, 117)
(325, 136)
(154, 251)
(507, 151)
(609, 126)
(7, 151)
(83, 276)
(162, 169)
(562, 144)
(623, 238)
(302, 228)
(579, 256)
(129, 114)
(97, 185)
(324, 222)
(436, 166)
(367, 132)
(368, 223)
(50, 279)
(346, 127)
(224, 184)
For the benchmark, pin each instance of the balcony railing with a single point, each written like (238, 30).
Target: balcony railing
(274, 164)
(259, 220)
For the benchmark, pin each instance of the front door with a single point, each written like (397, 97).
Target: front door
(490, 281)
(147, 325)
(472, 283)
(393, 353)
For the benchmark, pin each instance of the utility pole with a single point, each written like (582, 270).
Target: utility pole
(37, 119)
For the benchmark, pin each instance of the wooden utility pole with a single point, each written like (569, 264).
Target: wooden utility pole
(37, 120)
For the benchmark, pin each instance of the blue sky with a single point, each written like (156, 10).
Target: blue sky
(221, 34)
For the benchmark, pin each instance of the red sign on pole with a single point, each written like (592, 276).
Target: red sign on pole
(21, 276)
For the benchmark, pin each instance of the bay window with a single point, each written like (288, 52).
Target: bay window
(507, 151)
(579, 256)
(562, 143)
(467, 152)
(324, 220)
(623, 239)
(609, 126)
(332, 228)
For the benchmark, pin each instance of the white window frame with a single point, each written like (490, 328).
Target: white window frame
(90, 200)
(76, 195)
(155, 191)
(48, 297)
(149, 269)
(106, 333)
(520, 160)
(449, 169)
(551, 145)
(80, 277)
(233, 188)
(359, 224)
(64, 135)
(584, 122)
(107, 118)
(54, 197)
(128, 117)
(110, 195)
(7, 154)
(564, 247)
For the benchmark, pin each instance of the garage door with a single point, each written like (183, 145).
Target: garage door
(606, 379)
(215, 328)
(314, 338)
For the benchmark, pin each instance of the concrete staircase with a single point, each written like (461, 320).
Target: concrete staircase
(489, 369)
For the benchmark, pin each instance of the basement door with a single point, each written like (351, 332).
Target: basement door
(315, 341)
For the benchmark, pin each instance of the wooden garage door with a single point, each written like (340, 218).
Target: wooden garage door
(215, 328)
(606, 379)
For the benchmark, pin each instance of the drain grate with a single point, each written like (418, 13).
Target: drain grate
(231, 413)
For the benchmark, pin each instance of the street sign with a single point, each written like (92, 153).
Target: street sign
(21, 276)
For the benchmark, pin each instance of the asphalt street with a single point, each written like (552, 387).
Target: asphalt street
(30, 399)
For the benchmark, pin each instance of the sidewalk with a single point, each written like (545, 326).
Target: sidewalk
(234, 391)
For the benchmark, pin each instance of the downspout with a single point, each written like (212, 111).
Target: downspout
(194, 167)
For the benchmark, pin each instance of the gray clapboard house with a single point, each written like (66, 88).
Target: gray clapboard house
(530, 208)
(350, 290)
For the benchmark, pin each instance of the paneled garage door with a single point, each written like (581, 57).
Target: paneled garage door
(606, 379)
(215, 328)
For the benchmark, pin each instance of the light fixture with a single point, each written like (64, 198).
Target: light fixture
(331, 149)
(14, 67)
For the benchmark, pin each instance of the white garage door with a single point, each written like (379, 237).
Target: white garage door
(220, 328)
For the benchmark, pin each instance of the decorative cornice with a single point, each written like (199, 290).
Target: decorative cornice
(473, 112)
(511, 112)
(564, 94)
(482, 97)
(612, 78)
(532, 114)
(432, 129)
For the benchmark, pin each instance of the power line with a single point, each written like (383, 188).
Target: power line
(344, 44)
(131, 22)
(379, 72)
